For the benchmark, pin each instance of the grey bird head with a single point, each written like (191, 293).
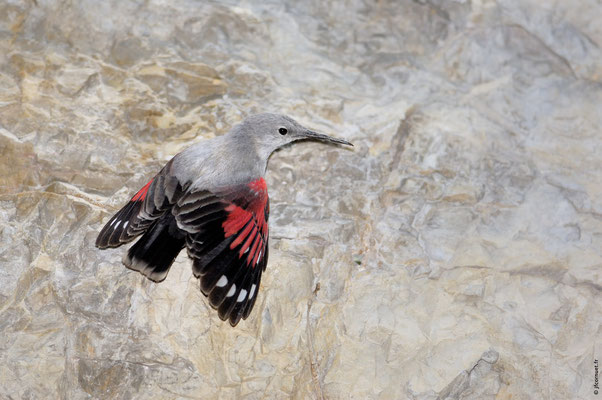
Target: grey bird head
(269, 132)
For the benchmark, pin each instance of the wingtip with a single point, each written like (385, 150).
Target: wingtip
(100, 243)
(103, 244)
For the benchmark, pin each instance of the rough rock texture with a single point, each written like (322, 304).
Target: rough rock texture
(455, 253)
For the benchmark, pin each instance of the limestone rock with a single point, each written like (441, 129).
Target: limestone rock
(454, 253)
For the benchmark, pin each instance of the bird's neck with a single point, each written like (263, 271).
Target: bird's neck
(246, 156)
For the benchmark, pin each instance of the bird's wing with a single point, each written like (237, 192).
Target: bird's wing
(147, 205)
(228, 242)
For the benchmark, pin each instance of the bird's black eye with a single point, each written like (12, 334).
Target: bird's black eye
(282, 131)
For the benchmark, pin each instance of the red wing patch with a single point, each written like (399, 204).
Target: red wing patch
(227, 238)
(248, 222)
(142, 192)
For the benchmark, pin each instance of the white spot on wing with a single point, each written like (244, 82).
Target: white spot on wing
(252, 293)
(231, 291)
(223, 281)
(126, 224)
(112, 222)
(241, 296)
(117, 225)
(258, 258)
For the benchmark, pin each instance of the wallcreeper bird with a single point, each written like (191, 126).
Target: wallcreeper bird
(212, 199)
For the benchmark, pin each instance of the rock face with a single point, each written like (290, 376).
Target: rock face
(455, 253)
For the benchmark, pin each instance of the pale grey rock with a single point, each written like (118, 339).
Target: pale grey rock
(454, 253)
(480, 382)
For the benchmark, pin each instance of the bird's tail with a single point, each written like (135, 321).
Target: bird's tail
(154, 253)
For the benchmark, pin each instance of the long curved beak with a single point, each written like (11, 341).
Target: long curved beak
(324, 138)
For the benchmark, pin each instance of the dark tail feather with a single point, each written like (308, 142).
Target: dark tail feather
(154, 253)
